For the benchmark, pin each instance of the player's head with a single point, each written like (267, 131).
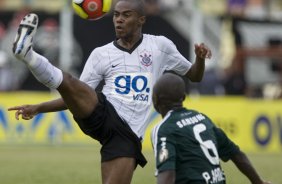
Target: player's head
(129, 17)
(168, 93)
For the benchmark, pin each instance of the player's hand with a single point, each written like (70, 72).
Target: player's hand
(27, 112)
(202, 51)
(266, 182)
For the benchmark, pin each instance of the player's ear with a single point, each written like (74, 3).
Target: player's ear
(142, 20)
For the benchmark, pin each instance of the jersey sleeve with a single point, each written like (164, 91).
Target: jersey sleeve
(164, 148)
(92, 74)
(173, 59)
(226, 147)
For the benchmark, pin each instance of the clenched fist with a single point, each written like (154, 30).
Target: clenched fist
(202, 51)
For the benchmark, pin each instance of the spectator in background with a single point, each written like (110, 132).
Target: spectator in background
(250, 9)
(13, 65)
(5, 72)
(256, 9)
(276, 10)
(236, 7)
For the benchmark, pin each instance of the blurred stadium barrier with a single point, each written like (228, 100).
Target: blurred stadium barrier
(254, 124)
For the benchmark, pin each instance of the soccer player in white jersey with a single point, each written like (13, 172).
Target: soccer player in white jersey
(130, 65)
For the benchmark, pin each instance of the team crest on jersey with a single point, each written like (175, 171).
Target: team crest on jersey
(146, 58)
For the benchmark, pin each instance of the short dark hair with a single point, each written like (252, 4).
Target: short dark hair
(170, 88)
(139, 6)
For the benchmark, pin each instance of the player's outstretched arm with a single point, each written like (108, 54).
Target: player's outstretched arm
(196, 72)
(166, 177)
(244, 165)
(27, 112)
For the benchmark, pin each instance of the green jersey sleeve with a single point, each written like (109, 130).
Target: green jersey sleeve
(226, 147)
(164, 145)
(165, 152)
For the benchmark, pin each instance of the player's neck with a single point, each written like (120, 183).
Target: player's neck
(166, 109)
(129, 42)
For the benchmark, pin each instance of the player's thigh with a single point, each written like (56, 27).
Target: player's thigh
(80, 98)
(119, 170)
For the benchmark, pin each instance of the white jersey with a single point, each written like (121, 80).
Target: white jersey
(130, 75)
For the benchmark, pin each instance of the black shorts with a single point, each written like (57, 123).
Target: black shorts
(116, 137)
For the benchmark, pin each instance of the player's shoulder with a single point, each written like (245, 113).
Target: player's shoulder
(156, 38)
(103, 49)
(151, 36)
(162, 129)
(194, 112)
(162, 42)
(167, 123)
(202, 117)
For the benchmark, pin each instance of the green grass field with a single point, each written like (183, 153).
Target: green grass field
(81, 165)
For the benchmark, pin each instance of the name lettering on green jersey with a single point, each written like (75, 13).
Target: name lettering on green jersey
(190, 121)
(214, 176)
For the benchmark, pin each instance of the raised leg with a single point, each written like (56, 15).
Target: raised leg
(78, 96)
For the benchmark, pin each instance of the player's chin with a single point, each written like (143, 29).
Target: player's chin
(120, 34)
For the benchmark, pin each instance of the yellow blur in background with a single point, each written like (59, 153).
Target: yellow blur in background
(254, 124)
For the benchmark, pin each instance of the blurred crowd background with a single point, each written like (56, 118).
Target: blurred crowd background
(245, 37)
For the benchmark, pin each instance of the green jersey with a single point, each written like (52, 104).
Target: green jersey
(189, 143)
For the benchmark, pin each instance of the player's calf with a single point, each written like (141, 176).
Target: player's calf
(40, 67)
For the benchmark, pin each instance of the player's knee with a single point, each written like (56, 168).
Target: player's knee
(68, 81)
(67, 77)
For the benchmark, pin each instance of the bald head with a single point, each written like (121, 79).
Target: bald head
(168, 92)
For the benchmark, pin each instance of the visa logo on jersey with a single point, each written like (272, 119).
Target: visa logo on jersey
(133, 86)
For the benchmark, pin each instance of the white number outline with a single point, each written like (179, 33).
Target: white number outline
(206, 145)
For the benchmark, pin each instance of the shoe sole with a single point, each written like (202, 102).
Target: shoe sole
(26, 31)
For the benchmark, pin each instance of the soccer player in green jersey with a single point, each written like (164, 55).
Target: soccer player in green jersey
(188, 146)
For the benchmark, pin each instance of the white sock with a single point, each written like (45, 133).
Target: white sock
(43, 70)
